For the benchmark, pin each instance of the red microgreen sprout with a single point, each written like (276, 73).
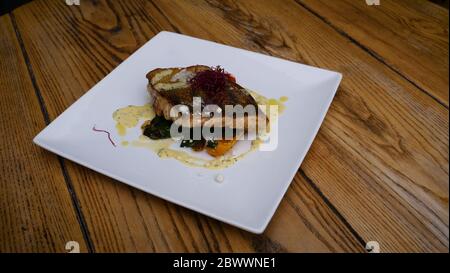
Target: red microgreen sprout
(106, 132)
(212, 80)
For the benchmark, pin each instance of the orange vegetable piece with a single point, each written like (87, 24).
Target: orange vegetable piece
(221, 148)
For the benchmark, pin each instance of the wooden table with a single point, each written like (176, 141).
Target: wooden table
(377, 171)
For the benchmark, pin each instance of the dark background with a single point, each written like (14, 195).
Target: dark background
(8, 5)
(443, 3)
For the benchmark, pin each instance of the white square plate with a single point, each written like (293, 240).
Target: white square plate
(254, 186)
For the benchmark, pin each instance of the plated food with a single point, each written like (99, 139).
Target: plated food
(103, 131)
(173, 87)
(209, 110)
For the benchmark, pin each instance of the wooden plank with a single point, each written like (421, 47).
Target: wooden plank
(410, 36)
(381, 156)
(71, 48)
(36, 212)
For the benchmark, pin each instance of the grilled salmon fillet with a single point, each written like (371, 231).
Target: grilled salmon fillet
(175, 86)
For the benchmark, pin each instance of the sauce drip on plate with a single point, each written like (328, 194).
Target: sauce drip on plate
(130, 117)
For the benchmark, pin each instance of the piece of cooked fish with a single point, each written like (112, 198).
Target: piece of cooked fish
(178, 86)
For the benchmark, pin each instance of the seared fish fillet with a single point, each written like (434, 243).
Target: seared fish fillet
(173, 86)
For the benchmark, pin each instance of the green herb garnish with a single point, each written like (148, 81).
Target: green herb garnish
(159, 128)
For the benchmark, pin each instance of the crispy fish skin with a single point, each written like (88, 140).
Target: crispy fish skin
(170, 87)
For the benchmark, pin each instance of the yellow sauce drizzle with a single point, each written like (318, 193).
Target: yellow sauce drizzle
(262, 100)
(154, 145)
(129, 117)
(283, 99)
(221, 162)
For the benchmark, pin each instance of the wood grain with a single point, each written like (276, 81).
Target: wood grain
(36, 212)
(71, 48)
(410, 36)
(381, 156)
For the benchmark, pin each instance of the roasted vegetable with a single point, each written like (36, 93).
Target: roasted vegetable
(221, 147)
(158, 128)
(196, 145)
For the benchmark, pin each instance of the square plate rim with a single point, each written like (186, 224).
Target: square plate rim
(263, 224)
